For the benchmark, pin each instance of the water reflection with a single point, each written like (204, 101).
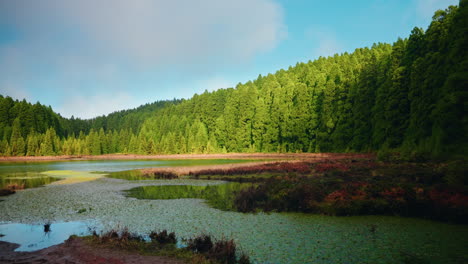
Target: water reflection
(23, 175)
(36, 237)
(47, 228)
(220, 196)
(19, 181)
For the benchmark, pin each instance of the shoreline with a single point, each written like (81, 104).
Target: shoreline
(253, 156)
(77, 250)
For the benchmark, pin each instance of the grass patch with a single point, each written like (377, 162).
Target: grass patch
(219, 196)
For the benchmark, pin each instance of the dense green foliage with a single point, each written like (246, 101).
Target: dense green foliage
(407, 97)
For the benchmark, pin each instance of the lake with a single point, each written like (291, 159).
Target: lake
(102, 204)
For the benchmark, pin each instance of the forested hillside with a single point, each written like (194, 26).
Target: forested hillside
(409, 97)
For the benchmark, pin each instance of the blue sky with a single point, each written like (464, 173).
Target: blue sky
(92, 57)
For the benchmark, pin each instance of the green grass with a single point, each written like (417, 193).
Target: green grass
(219, 196)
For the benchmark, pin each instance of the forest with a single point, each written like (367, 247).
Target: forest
(408, 97)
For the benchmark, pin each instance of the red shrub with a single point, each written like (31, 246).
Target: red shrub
(278, 167)
(449, 198)
(337, 196)
(396, 193)
(325, 167)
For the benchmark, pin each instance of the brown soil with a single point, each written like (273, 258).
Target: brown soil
(276, 156)
(76, 250)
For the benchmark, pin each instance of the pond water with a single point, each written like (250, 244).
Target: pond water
(36, 237)
(267, 238)
(30, 174)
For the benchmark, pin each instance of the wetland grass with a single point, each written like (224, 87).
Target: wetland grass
(200, 249)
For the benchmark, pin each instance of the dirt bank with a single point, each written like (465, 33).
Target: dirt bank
(76, 250)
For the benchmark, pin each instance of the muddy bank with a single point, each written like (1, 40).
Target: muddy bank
(76, 250)
(263, 156)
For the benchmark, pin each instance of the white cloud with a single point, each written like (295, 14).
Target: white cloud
(96, 105)
(14, 91)
(214, 83)
(147, 32)
(80, 48)
(324, 41)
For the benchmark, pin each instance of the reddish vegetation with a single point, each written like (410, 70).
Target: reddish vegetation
(353, 187)
(277, 167)
(76, 250)
(11, 189)
(448, 198)
(15, 186)
(327, 166)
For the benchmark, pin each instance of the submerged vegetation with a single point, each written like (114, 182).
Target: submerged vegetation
(406, 97)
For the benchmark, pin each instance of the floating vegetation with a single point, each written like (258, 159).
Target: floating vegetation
(70, 177)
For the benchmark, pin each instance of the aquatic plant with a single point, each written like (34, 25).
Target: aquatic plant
(119, 238)
(163, 237)
(221, 251)
(201, 244)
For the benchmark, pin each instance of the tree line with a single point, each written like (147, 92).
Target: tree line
(409, 97)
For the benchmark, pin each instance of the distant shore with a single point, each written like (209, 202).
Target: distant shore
(252, 156)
